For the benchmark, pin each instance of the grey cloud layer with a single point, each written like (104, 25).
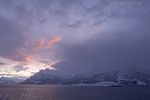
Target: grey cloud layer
(1, 63)
(125, 45)
(105, 53)
(11, 37)
(115, 36)
(19, 68)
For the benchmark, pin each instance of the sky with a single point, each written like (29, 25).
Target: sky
(73, 36)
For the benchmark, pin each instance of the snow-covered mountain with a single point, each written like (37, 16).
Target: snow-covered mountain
(44, 77)
(49, 77)
(114, 78)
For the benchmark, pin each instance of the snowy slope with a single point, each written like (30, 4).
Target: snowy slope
(85, 79)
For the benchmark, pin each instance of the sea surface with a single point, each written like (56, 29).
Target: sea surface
(50, 92)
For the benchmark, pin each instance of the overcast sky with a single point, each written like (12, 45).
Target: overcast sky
(73, 36)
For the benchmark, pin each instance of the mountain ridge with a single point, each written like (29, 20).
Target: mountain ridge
(49, 77)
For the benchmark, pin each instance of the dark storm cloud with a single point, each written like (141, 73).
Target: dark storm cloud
(122, 48)
(19, 68)
(105, 53)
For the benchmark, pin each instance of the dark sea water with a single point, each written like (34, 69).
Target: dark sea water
(48, 92)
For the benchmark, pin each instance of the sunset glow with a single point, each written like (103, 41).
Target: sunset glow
(30, 58)
(39, 45)
(52, 41)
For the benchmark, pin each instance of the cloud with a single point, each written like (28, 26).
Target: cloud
(2, 63)
(5, 75)
(52, 41)
(19, 68)
(39, 45)
(105, 53)
(42, 43)
(122, 44)
(46, 62)
(97, 34)
(28, 58)
(11, 37)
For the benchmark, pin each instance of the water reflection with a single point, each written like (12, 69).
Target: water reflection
(48, 92)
